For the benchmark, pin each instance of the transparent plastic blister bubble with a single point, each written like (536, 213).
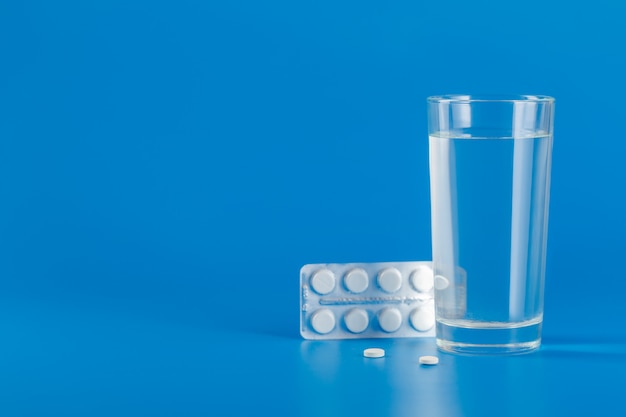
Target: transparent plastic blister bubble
(367, 300)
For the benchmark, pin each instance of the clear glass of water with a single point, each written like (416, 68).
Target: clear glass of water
(490, 160)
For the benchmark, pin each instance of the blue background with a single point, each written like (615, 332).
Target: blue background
(166, 168)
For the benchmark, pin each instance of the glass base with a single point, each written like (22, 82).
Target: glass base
(485, 338)
(471, 349)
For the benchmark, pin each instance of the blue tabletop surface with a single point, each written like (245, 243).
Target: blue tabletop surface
(166, 168)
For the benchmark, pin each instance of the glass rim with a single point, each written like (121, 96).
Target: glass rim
(490, 98)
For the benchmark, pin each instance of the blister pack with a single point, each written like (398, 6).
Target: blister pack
(366, 300)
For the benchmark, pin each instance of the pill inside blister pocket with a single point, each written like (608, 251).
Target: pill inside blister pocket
(323, 281)
(356, 320)
(390, 280)
(422, 319)
(356, 280)
(390, 319)
(323, 321)
(422, 279)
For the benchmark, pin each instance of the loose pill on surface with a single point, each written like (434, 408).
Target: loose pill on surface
(429, 360)
(374, 353)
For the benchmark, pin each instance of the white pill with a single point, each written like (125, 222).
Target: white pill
(390, 280)
(429, 360)
(356, 280)
(323, 281)
(356, 320)
(390, 319)
(422, 319)
(374, 353)
(422, 279)
(323, 321)
(441, 282)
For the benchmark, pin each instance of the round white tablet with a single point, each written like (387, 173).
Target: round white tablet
(441, 282)
(356, 320)
(323, 281)
(323, 321)
(422, 319)
(390, 280)
(356, 280)
(422, 279)
(374, 353)
(390, 319)
(429, 360)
